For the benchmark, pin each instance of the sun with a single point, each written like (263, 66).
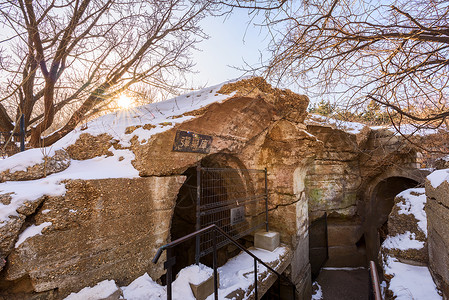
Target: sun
(124, 102)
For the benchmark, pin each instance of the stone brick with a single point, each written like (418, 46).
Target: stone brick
(266, 240)
(204, 289)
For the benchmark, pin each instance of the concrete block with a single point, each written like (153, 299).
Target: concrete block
(204, 289)
(266, 240)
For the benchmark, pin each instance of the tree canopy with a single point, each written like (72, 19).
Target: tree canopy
(70, 58)
(395, 53)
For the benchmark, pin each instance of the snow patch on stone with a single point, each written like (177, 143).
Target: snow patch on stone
(349, 127)
(403, 241)
(415, 200)
(162, 115)
(410, 282)
(102, 290)
(237, 273)
(318, 291)
(438, 177)
(116, 166)
(22, 160)
(31, 231)
(144, 288)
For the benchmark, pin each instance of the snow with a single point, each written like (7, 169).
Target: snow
(196, 274)
(22, 160)
(162, 116)
(410, 129)
(318, 292)
(414, 202)
(410, 282)
(116, 166)
(349, 127)
(403, 241)
(237, 273)
(438, 177)
(356, 128)
(144, 288)
(102, 290)
(269, 233)
(31, 231)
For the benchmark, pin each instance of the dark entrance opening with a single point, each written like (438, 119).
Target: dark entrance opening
(230, 196)
(318, 245)
(382, 201)
(185, 216)
(184, 220)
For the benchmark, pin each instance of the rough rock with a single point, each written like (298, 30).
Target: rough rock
(54, 164)
(294, 105)
(333, 179)
(437, 210)
(101, 229)
(233, 124)
(88, 146)
(441, 163)
(10, 230)
(400, 223)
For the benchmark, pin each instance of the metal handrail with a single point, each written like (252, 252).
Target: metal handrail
(214, 228)
(375, 292)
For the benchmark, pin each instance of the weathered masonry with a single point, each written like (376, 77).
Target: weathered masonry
(110, 228)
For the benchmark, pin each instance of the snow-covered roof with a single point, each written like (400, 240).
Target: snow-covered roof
(356, 127)
(161, 116)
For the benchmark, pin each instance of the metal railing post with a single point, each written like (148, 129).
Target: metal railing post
(168, 266)
(266, 200)
(214, 241)
(375, 292)
(255, 279)
(198, 216)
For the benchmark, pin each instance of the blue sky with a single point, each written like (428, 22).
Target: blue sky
(232, 42)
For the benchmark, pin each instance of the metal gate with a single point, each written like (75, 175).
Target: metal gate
(236, 200)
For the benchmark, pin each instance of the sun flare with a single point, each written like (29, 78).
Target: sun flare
(124, 102)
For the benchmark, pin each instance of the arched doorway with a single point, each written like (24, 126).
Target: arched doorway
(380, 205)
(225, 185)
(184, 221)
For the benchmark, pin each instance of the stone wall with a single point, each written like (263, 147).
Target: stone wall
(437, 210)
(101, 229)
(349, 164)
(286, 150)
(111, 228)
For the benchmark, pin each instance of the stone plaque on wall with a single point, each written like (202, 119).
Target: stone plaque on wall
(187, 141)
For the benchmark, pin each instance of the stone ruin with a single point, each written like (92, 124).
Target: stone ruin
(110, 227)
